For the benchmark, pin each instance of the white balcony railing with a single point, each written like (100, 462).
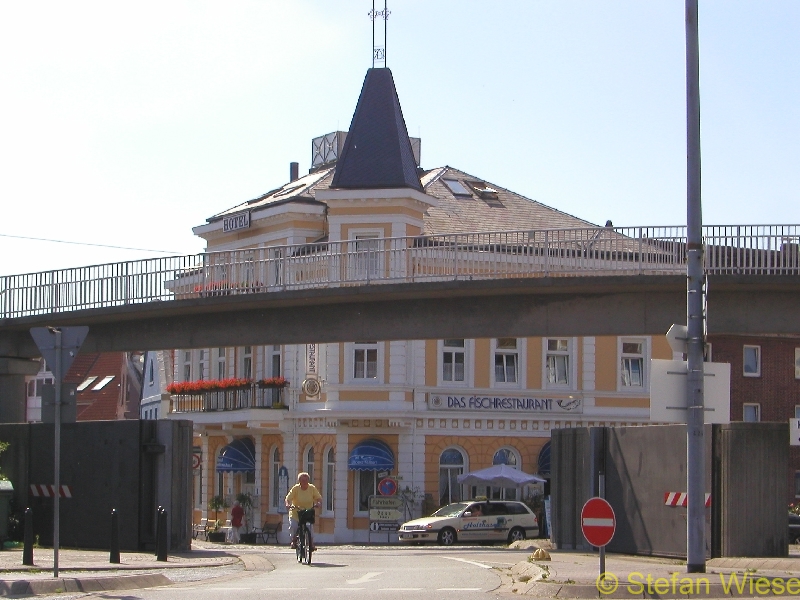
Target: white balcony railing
(732, 249)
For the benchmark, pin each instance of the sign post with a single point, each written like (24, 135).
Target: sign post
(59, 347)
(598, 524)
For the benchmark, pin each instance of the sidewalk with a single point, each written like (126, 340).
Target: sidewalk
(574, 574)
(91, 571)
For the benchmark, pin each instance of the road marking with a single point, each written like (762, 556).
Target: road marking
(342, 589)
(365, 578)
(471, 562)
(458, 589)
(399, 589)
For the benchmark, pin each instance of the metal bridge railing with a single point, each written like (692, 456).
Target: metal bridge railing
(733, 249)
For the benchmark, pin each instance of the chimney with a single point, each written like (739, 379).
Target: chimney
(294, 171)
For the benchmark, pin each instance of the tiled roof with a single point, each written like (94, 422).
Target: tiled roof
(299, 190)
(102, 404)
(377, 153)
(495, 210)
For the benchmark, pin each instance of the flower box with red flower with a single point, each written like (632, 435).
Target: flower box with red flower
(272, 382)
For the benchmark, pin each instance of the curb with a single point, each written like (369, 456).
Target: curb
(34, 587)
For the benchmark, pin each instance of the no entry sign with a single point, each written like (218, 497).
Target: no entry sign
(598, 522)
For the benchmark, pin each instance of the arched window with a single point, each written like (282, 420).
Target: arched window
(510, 457)
(451, 465)
(310, 463)
(276, 465)
(330, 471)
(506, 456)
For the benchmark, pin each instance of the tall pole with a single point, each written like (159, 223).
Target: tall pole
(695, 447)
(57, 459)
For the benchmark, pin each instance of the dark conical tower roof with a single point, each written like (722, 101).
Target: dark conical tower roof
(377, 153)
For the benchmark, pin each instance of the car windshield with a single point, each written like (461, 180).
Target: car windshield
(451, 510)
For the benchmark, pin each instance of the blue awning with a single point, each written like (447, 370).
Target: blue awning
(543, 463)
(371, 455)
(237, 457)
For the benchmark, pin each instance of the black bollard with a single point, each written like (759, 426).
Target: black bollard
(161, 542)
(158, 526)
(114, 554)
(27, 552)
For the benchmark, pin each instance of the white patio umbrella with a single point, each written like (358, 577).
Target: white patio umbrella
(498, 476)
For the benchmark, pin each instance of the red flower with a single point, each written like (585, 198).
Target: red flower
(208, 385)
(273, 382)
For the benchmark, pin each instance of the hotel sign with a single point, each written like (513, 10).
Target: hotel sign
(234, 222)
(517, 405)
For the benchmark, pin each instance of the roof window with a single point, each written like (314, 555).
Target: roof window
(86, 383)
(103, 383)
(287, 191)
(486, 193)
(458, 188)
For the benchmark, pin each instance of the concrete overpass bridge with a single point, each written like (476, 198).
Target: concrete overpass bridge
(594, 281)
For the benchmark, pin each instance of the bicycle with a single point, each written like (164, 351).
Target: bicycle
(305, 543)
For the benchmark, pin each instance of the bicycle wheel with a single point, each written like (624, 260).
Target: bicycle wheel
(308, 548)
(300, 546)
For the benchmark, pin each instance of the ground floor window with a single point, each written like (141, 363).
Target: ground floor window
(330, 469)
(451, 465)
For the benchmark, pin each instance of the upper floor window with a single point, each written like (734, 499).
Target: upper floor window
(506, 361)
(187, 365)
(751, 413)
(150, 374)
(453, 361)
(202, 363)
(220, 363)
(558, 362)
(751, 366)
(275, 361)
(632, 361)
(367, 255)
(365, 360)
(797, 363)
(247, 362)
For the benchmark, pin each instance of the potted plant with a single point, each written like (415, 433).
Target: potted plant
(216, 504)
(245, 499)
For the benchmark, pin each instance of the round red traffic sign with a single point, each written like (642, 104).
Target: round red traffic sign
(598, 522)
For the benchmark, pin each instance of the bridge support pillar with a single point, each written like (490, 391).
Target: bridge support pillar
(13, 396)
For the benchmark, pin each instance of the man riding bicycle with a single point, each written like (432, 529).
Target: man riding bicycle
(302, 495)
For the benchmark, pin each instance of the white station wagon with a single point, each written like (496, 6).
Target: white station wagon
(473, 521)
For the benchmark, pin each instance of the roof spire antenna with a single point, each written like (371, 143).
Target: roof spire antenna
(378, 49)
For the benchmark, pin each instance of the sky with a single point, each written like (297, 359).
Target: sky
(128, 123)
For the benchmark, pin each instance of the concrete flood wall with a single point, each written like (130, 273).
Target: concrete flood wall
(130, 466)
(746, 465)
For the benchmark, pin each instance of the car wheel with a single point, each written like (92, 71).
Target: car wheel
(447, 536)
(516, 534)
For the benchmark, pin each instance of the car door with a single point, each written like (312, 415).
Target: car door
(473, 527)
(498, 517)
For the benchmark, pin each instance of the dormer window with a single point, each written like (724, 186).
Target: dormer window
(486, 192)
(456, 187)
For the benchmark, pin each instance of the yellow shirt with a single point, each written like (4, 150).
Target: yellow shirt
(302, 498)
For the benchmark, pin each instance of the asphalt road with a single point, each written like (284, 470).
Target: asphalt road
(336, 573)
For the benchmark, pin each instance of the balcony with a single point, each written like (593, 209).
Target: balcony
(253, 396)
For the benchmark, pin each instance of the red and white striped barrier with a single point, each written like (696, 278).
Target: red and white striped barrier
(41, 490)
(679, 499)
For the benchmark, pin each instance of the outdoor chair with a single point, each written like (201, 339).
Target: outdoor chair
(269, 530)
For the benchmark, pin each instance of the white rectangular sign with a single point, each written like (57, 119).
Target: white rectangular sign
(794, 432)
(668, 391)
